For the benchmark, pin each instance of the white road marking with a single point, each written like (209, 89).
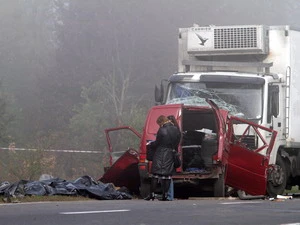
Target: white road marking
(236, 203)
(89, 212)
(290, 224)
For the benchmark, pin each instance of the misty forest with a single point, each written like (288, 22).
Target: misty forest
(72, 68)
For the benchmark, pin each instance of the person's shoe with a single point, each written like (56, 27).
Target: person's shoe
(151, 196)
(164, 197)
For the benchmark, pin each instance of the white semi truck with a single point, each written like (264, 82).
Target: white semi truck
(252, 71)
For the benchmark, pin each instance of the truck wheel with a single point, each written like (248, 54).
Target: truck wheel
(144, 188)
(277, 178)
(219, 186)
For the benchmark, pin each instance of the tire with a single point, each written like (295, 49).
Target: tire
(144, 188)
(219, 186)
(277, 178)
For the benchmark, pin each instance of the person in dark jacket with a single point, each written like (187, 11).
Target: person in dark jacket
(167, 141)
(170, 195)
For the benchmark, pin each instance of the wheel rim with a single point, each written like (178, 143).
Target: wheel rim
(277, 176)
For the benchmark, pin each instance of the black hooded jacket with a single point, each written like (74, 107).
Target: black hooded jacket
(167, 139)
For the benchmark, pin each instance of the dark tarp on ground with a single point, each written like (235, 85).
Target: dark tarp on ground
(83, 186)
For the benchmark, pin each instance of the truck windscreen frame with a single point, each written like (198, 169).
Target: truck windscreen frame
(241, 96)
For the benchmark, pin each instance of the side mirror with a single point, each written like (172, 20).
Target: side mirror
(159, 93)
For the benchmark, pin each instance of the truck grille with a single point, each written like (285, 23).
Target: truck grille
(238, 37)
(228, 40)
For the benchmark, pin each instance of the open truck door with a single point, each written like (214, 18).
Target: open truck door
(249, 155)
(246, 151)
(123, 160)
(221, 116)
(222, 156)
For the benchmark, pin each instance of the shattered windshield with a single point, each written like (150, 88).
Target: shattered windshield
(242, 100)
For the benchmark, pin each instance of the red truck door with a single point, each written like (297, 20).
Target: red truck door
(248, 162)
(121, 139)
(221, 116)
(123, 160)
(246, 165)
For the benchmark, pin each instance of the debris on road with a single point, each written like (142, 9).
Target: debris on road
(280, 198)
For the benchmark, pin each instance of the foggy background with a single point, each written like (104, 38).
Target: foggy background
(71, 68)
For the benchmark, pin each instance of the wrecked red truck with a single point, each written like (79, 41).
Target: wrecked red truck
(214, 157)
(250, 74)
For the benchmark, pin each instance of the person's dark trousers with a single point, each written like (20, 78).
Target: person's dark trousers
(153, 187)
(165, 185)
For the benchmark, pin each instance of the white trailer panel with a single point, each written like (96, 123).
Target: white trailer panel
(294, 111)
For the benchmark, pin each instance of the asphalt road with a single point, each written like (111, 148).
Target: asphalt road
(140, 212)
